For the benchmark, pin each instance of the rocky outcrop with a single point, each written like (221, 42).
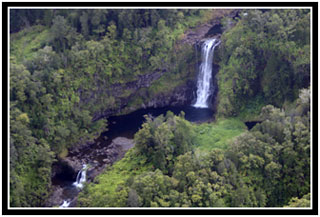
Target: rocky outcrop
(123, 143)
(55, 198)
(98, 159)
(142, 81)
(98, 156)
(193, 36)
(181, 95)
(117, 91)
(124, 92)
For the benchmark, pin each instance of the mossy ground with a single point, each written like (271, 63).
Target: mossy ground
(26, 42)
(218, 134)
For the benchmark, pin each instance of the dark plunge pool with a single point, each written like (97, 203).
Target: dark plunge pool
(251, 124)
(118, 126)
(128, 125)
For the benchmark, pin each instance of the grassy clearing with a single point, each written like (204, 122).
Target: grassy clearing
(26, 42)
(217, 135)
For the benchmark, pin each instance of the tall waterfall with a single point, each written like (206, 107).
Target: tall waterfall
(205, 73)
(81, 177)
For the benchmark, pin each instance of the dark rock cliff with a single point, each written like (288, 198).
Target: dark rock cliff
(187, 50)
(118, 90)
(140, 93)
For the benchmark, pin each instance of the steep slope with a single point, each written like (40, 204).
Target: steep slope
(69, 70)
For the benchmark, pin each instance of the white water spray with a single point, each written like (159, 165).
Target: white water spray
(65, 204)
(205, 73)
(81, 177)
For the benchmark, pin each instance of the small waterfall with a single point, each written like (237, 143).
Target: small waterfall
(81, 177)
(65, 204)
(205, 73)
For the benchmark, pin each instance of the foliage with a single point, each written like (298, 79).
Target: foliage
(27, 41)
(218, 135)
(265, 55)
(275, 155)
(302, 202)
(268, 166)
(163, 138)
(30, 163)
(108, 188)
(64, 67)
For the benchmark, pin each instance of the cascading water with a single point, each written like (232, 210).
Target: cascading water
(192, 113)
(81, 177)
(64, 204)
(205, 73)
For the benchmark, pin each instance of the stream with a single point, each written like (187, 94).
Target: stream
(105, 151)
(124, 126)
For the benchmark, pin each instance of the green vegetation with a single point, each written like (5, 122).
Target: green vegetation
(251, 110)
(264, 59)
(108, 188)
(27, 41)
(266, 166)
(67, 67)
(302, 202)
(181, 71)
(218, 135)
(64, 65)
(163, 139)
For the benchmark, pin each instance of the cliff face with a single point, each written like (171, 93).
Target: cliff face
(153, 89)
(119, 92)
(210, 28)
(148, 91)
(172, 85)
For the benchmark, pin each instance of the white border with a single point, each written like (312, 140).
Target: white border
(311, 110)
(162, 208)
(137, 8)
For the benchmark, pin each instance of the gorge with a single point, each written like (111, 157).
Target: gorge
(159, 107)
(125, 126)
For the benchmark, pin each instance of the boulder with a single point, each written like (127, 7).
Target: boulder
(55, 197)
(124, 143)
(74, 163)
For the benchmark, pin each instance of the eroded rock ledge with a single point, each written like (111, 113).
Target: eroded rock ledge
(183, 93)
(98, 159)
(193, 36)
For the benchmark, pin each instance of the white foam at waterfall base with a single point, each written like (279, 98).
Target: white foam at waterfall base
(65, 204)
(81, 177)
(205, 73)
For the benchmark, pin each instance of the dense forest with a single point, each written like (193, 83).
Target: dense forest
(66, 70)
